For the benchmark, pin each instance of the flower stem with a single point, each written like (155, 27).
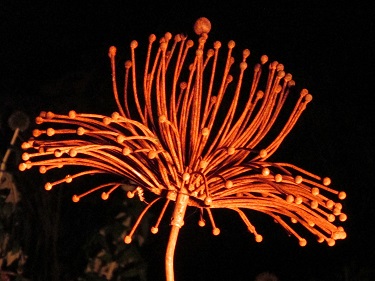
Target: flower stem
(176, 223)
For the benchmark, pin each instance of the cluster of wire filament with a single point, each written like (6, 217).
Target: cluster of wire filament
(197, 122)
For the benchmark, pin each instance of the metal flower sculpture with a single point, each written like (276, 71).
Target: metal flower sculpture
(194, 135)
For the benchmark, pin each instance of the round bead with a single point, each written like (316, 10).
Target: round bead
(186, 176)
(289, 198)
(228, 184)
(278, 178)
(298, 179)
(342, 195)
(265, 172)
(201, 223)
(154, 230)
(315, 191)
(127, 239)
(326, 181)
(302, 242)
(231, 150)
(216, 231)
(202, 25)
(48, 186)
(258, 238)
(68, 179)
(208, 201)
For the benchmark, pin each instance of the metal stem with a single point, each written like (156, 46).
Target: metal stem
(176, 223)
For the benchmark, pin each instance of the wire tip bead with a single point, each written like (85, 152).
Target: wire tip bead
(228, 184)
(203, 164)
(162, 118)
(216, 231)
(72, 114)
(278, 178)
(315, 191)
(25, 156)
(26, 145)
(154, 230)
(68, 179)
(127, 239)
(330, 204)
(231, 150)
(344, 235)
(281, 74)
(258, 238)
(308, 98)
(298, 179)
(331, 218)
(152, 38)
(73, 152)
(246, 53)
(126, 151)
(298, 200)
(75, 198)
(115, 115)
(302, 242)
(134, 44)
(266, 172)
(48, 186)
(289, 198)
(151, 154)
(343, 217)
(22, 167)
(57, 153)
(107, 121)
(314, 204)
(130, 194)
(288, 77)
(201, 223)
(208, 201)
(81, 131)
(263, 59)
(49, 115)
(186, 176)
(105, 196)
(205, 132)
(331, 242)
(112, 51)
(42, 169)
(342, 195)
(36, 133)
(38, 120)
(291, 83)
(128, 64)
(326, 181)
(120, 138)
(202, 25)
(263, 153)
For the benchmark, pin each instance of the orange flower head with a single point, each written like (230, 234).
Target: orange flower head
(196, 120)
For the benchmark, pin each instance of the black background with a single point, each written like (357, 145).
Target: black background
(329, 48)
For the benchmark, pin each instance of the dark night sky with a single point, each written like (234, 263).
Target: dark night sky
(329, 48)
